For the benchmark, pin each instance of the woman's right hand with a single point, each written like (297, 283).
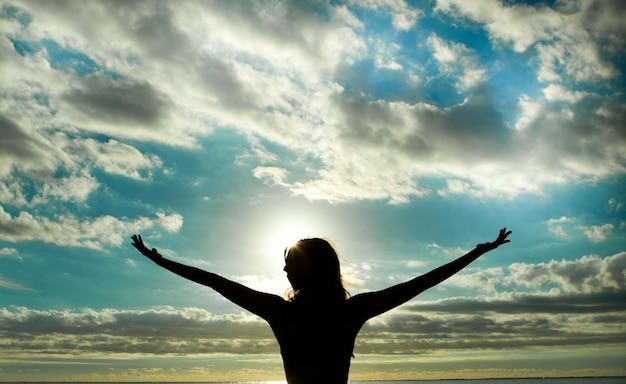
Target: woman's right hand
(153, 254)
(502, 239)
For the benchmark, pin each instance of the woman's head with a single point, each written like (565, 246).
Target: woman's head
(312, 267)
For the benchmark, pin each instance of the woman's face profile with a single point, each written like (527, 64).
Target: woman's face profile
(298, 271)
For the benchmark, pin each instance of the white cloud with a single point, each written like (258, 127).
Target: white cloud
(271, 175)
(385, 55)
(8, 251)
(555, 92)
(171, 223)
(570, 144)
(564, 226)
(460, 187)
(11, 193)
(566, 41)
(274, 285)
(584, 275)
(555, 226)
(181, 71)
(531, 110)
(112, 156)
(456, 59)
(614, 206)
(39, 154)
(597, 233)
(258, 152)
(402, 16)
(349, 180)
(415, 264)
(72, 188)
(67, 230)
(484, 281)
(8, 284)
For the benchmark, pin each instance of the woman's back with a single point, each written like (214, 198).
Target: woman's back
(316, 340)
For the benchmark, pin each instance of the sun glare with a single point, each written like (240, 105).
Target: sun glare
(288, 235)
(280, 227)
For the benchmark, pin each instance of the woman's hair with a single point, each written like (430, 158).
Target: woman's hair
(324, 267)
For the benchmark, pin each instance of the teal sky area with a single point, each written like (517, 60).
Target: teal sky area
(406, 132)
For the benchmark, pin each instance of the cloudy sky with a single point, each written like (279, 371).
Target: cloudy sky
(406, 132)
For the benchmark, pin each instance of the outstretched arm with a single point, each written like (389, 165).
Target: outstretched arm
(371, 304)
(262, 304)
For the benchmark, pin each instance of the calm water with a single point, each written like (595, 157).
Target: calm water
(569, 380)
(566, 380)
(585, 380)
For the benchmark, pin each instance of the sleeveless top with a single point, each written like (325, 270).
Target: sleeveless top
(306, 332)
(316, 340)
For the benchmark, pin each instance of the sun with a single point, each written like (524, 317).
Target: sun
(276, 227)
(289, 234)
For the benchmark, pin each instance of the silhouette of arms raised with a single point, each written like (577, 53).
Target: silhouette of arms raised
(368, 305)
(262, 304)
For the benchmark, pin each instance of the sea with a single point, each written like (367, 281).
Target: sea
(537, 380)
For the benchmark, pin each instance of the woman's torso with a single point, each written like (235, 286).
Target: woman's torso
(316, 340)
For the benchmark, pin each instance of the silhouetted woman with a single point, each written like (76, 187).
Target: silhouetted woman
(317, 325)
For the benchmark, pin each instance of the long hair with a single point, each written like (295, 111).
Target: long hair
(324, 267)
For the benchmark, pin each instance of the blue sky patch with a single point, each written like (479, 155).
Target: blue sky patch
(13, 12)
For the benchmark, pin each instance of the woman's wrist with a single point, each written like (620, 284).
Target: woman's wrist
(489, 246)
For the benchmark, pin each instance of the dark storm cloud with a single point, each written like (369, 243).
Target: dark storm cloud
(519, 321)
(606, 19)
(220, 78)
(586, 305)
(510, 321)
(585, 138)
(473, 131)
(285, 24)
(168, 322)
(605, 302)
(118, 100)
(467, 323)
(21, 149)
(165, 331)
(154, 27)
(371, 124)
